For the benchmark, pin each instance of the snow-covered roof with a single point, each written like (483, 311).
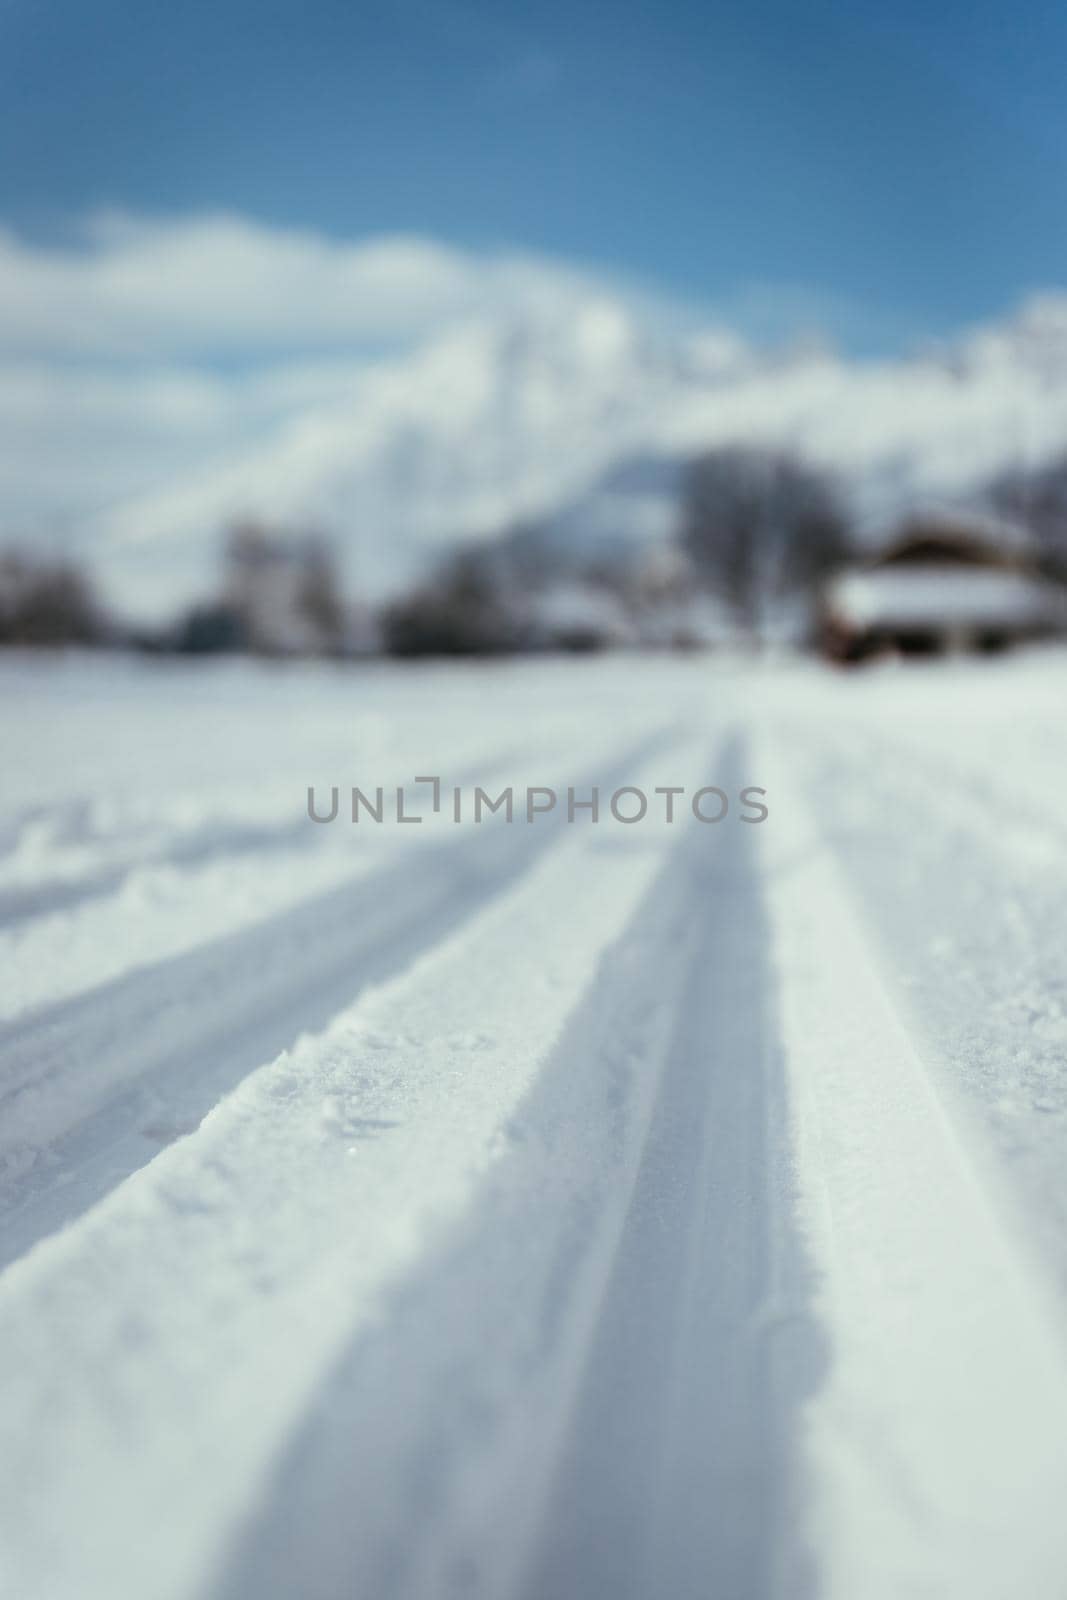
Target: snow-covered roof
(934, 595)
(969, 527)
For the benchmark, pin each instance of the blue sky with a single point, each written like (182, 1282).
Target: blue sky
(888, 172)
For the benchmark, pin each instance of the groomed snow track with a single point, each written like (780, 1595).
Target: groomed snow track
(550, 1212)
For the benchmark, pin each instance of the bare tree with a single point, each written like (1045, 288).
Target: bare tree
(283, 591)
(1038, 501)
(319, 594)
(760, 526)
(466, 607)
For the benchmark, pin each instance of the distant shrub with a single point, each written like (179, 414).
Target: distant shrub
(47, 603)
(463, 611)
(211, 629)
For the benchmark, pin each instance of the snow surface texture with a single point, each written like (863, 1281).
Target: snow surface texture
(535, 1210)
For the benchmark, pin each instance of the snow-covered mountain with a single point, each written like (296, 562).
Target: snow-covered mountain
(520, 414)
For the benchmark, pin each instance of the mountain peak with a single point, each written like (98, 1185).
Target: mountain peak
(522, 413)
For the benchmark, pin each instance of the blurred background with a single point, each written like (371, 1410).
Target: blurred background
(435, 328)
(625, 397)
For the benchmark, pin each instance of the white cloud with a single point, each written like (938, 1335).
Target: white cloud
(157, 355)
(217, 285)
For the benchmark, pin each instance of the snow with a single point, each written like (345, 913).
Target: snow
(399, 394)
(533, 1209)
(941, 595)
(506, 418)
(939, 1443)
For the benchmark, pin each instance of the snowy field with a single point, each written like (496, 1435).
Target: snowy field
(539, 1210)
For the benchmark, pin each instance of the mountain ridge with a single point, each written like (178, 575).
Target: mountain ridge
(526, 414)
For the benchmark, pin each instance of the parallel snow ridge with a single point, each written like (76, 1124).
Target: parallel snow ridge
(578, 1211)
(94, 1084)
(167, 1342)
(938, 1446)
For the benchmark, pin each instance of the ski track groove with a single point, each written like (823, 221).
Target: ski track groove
(984, 997)
(93, 1087)
(709, 1279)
(940, 1437)
(636, 1277)
(197, 1211)
(210, 842)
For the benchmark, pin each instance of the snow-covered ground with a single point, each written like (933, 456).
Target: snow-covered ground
(534, 1210)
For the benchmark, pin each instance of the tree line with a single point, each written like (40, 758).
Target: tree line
(758, 532)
